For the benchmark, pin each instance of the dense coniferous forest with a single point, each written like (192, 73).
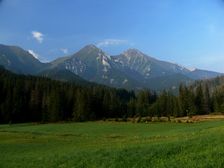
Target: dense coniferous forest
(38, 99)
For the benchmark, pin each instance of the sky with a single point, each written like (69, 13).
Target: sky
(187, 32)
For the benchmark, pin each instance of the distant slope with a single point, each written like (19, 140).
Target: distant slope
(65, 76)
(198, 74)
(170, 82)
(18, 60)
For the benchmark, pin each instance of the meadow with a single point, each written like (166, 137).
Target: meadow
(112, 145)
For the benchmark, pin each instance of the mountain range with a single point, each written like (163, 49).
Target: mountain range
(131, 69)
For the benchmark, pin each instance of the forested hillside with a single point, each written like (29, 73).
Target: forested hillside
(38, 99)
(27, 98)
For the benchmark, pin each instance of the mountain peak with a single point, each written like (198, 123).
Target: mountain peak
(133, 52)
(91, 47)
(91, 51)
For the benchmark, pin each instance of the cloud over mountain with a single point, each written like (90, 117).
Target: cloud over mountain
(64, 50)
(38, 36)
(112, 42)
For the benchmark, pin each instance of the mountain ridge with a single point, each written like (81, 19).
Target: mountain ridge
(18, 60)
(131, 69)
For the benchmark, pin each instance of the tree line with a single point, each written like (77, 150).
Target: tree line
(38, 99)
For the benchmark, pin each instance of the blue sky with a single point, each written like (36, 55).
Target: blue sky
(187, 32)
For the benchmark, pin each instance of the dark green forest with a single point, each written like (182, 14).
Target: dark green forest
(38, 99)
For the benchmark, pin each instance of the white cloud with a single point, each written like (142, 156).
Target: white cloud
(64, 50)
(34, 54)
(112, 42)
(37, 36)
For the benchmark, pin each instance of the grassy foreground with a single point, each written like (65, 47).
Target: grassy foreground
(113, 145)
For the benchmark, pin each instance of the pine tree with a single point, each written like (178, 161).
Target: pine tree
(207, 101)
(187, 101)
(199, 100)
(131, 111)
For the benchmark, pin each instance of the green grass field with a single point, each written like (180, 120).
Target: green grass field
(113, 145)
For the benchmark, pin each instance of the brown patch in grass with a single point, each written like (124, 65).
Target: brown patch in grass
(199, 118)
